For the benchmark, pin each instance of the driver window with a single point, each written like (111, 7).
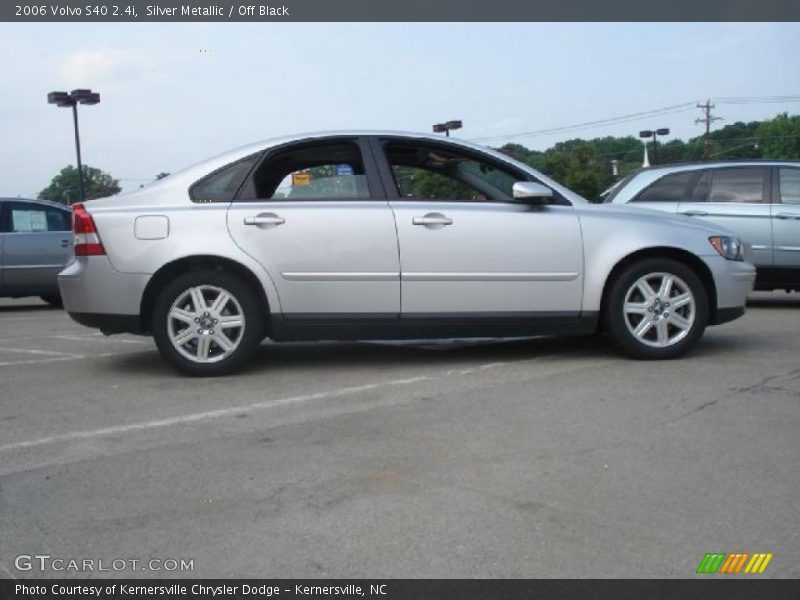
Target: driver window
(433, 173)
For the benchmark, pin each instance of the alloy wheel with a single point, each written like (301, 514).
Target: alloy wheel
(205, 324)
(659, 309)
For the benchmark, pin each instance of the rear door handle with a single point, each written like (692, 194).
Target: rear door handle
(265, 220)
(695, 213)
(433, 220)
(66, 243)
(788, 216)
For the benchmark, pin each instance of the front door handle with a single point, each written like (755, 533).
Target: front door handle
(66, 243)
(788, 216)
(695, 213)
(265, 220)
(433, 220)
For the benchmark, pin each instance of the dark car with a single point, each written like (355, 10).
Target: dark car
(35, 243)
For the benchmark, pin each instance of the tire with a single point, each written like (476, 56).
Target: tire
(200, 338)
(53, 300)
(658, 325)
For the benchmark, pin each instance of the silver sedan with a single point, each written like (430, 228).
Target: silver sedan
(385, 235)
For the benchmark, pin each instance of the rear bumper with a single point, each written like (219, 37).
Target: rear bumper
(98, 296)
(109, 324)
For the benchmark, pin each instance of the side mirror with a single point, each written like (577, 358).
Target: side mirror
(530, 191)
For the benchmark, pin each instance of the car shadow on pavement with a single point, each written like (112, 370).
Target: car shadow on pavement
(304, 356)
(774, 301)
(15, 308)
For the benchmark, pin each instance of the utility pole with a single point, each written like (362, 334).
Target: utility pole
(707, 119)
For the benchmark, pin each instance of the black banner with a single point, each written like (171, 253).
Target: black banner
(403, 10)
(403, 589)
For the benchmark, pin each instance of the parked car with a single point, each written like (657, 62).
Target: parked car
(35, 244)
(345, 236)
(757, 200)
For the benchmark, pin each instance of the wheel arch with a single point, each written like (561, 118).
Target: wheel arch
(186, 264)
(694, 262)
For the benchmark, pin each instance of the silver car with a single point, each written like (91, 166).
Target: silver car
(365, 235)
(35, 244)
(757, 200)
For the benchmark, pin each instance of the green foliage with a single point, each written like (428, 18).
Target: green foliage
(64, 187)
(585, 165)
(780, 137)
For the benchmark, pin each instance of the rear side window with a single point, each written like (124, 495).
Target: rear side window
(322, 171)
(23, 218)
(222, 185)
(744, 184)
(790, 186)
(670, 188)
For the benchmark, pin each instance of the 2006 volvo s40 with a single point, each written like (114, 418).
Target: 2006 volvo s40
(366, 235)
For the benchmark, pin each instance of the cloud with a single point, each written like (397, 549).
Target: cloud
(107, 67)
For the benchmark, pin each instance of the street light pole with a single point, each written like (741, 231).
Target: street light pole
(81, 192)
(72, 99)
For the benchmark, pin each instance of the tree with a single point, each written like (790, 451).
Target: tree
(64, 187)
(780, 137)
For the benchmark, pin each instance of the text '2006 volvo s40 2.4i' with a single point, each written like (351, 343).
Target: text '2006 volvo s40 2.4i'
(365, 235)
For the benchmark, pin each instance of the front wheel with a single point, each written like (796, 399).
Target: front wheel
(207, 323)
(656, 308)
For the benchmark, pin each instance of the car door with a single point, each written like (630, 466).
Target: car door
(736, 198)
(314, 214)
(786, 219)
(467, 249)
(37, 245)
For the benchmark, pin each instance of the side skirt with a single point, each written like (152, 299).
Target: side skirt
(315, 327)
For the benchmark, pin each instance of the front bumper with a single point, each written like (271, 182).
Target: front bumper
(97, 295)
(734, 280)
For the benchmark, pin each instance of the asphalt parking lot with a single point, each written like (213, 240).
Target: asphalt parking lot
(526, 458)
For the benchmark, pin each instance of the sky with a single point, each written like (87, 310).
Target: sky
(173, 94)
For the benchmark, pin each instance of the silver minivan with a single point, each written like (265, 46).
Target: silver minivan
(758, 200)
(35, 244)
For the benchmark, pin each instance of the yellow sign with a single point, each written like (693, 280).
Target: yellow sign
(301, 178)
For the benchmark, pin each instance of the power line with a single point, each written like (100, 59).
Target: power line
(592, 124)
(676, 108)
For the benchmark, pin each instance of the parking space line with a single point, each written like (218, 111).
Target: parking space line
(64, 357)
(44, 352)
(86, 338)
(232, 411)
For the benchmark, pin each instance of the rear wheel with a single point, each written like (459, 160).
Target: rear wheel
(207, 323)
(657, 308)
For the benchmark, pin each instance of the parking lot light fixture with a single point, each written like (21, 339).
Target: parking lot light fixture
(72, 99)
(653, 133)
(446, 127)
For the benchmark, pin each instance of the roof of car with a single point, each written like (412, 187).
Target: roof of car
(186, 176)
(719, 163)
(31, 200)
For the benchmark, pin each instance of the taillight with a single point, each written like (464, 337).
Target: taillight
(87, 242)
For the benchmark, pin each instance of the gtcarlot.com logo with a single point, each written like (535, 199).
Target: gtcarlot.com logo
(45, 562)
(734, 563)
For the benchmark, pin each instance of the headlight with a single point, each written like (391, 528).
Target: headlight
(728, 247)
